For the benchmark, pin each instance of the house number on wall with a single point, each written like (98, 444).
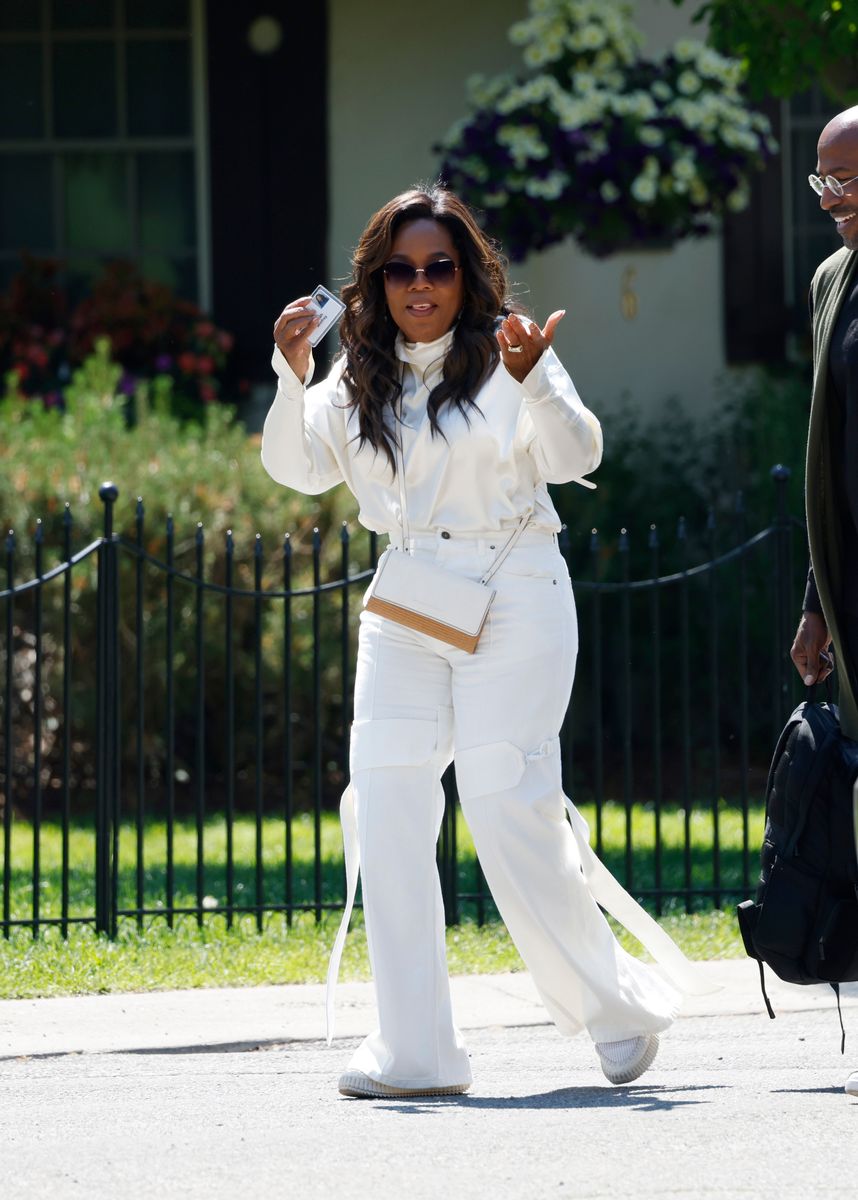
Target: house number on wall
(628, 295)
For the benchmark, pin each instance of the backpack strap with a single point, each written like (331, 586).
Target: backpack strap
(769, 1008)
(817, 770)
(836, 989)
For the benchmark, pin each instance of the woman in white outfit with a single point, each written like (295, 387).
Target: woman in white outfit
(436, 372)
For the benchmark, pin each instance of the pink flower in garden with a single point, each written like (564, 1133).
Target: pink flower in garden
(187, 362)
(205, 364)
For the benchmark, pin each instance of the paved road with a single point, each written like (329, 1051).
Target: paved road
(735, 1106)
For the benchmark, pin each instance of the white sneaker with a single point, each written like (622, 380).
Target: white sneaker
(851, 1088)
(624, 1061)
(355, 1083)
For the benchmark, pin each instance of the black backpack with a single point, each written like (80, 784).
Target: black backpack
(804, 920)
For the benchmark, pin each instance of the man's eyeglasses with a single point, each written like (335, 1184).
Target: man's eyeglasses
(440, 273)
(820, 182)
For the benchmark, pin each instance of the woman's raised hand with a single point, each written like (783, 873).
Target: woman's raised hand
(291, 331)
(522, 343)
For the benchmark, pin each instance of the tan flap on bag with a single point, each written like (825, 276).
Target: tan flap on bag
(429, 599)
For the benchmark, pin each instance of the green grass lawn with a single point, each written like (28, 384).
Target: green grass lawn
(213, 954)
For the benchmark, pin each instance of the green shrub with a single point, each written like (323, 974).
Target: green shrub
(207, 471)
(664, 466)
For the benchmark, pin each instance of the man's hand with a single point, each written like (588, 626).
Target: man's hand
(809, 650)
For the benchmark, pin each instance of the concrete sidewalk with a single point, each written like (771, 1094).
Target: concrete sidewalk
(209, 1095)
(227, 1018)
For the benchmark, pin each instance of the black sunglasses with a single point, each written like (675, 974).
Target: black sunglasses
(440, 273)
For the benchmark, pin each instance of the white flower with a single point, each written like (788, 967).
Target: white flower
(534, 55)
(650, 135)
(684, 169)
(688, 83)
(592, 37)
(644, 189)
(686, 50)
(738, 199)
(661, 90)
(609, 192)
(549, 188)
(523, 143)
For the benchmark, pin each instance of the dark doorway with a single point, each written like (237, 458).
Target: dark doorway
(268, 153)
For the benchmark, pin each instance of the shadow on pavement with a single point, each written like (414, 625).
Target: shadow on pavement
(645, 1099)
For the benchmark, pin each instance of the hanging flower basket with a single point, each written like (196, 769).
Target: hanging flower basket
(600, 144)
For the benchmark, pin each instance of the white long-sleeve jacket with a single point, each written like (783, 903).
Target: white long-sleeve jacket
(482, 475)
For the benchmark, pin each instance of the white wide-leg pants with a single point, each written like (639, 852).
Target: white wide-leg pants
(497, 713)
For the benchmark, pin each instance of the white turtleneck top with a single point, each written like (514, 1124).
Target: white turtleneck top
(482, 475)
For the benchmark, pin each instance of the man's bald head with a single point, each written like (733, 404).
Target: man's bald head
(845, 122)
(837, 156)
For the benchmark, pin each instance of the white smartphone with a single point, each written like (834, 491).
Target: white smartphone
(326, 305)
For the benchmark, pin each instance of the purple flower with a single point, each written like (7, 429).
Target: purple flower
(127, 385)
(163, 362)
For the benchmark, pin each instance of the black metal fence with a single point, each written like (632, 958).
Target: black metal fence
(140, 691)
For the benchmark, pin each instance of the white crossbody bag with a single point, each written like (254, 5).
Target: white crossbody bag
(428, 598)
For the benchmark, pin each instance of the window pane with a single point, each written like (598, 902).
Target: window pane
(83, 14)
(157, 14)
(19, 15)
(161, 108)
(180, 274)
(21, 90)
(96, 203)
(84, 89)
(166, 192)
(25, 202)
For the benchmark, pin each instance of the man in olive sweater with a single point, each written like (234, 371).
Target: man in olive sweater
(830, 615)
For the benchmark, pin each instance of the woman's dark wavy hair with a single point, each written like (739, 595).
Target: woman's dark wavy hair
(367, 332)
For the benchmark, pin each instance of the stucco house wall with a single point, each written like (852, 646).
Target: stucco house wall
(642, 326)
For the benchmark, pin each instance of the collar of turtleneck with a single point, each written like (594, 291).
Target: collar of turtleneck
(422, 355)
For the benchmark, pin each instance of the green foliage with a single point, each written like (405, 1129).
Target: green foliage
(786, 47)
(673, 464)
(206, 472)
